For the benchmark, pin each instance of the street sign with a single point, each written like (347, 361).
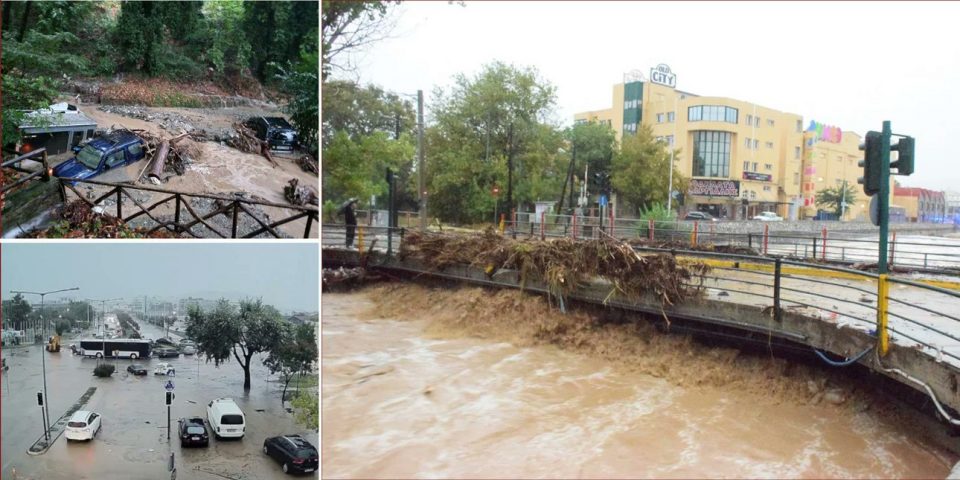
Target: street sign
(603, 200)
(169, 386)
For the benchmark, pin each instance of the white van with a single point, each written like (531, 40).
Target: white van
(226, 419)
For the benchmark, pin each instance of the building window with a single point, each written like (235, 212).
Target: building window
(753, 194)
(796, 178)
(711, 153)
(756, 144)
(799, 126)
(769, 122)
(746, 166)
(670, 140)
(749, 119)
(766, 188)
(769, 144)
(796, 153)
(756, 121)
(712, 113)
(768, 166)
(755, 167)
(747, 142)
(659, 118)
(671, 117)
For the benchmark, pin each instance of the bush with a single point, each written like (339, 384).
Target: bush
(665, 225)
(104, 370)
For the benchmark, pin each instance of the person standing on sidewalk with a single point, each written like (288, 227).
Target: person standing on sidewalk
(350, 218)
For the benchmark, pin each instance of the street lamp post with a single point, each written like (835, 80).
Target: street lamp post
(43, 358)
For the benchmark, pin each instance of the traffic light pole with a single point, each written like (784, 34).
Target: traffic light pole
(883, 202)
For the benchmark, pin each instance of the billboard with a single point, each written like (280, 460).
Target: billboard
(714, 188)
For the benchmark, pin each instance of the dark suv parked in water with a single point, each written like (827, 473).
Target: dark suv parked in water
(276, 131)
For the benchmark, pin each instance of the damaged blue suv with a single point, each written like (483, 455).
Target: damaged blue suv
(115, 150)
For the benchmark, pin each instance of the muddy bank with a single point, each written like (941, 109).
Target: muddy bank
(421, 382)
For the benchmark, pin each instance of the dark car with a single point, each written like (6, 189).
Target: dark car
(293, 452)
(101, 154)
(193, 431)
(276, 131)
(137, 369)
(166, 352)
(700, 216)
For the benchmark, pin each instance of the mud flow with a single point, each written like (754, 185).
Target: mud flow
(470, 383)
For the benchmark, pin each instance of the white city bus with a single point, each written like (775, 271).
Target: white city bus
(117, 347)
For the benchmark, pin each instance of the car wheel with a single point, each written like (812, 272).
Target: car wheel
(286, 468)
(99, 355)
(133, 356)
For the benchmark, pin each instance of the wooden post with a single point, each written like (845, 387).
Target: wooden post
(119, 203)
(176, 214)
(650, 227)
(513, 216)
(236, 210)
(543, 225)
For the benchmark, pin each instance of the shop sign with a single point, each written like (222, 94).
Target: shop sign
(826, 133)
(662, 75)
(714, 188)
(762, 177)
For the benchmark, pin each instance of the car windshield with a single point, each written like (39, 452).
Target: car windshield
(89, 157)
(77, 424)
(231, 420)
(195, 430)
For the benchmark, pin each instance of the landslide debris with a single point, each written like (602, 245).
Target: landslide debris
(562, 263)
(77, 219)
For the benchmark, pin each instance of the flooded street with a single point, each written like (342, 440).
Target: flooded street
(467, 383)
(133, 441)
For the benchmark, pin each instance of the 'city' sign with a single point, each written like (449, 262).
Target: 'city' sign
(714, 188)
(662, 75)
(827, 133)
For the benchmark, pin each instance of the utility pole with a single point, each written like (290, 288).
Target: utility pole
(884, 200)
(421, 167)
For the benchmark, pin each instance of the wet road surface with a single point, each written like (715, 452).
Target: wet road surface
(133, 441)
(444, 384)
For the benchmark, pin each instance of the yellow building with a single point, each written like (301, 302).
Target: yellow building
(741, 158)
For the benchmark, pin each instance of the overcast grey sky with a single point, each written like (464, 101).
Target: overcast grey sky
(852, 65)
(285, 275)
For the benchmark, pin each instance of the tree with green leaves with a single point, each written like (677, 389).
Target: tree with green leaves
(238, 332)
(295, 353)
(591, 144)
(832, 199)
(16, 312)
(640, 170)
(486, 128)
(351, 25)
(307, 408)
(145, 35)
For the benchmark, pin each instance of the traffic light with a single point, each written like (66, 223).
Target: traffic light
(904, 163)
(871, 163)
(169, 398)
(40, 398)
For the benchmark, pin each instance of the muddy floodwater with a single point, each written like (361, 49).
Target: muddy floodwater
(468, 383)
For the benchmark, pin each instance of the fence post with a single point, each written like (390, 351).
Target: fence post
(893, 247)
(574, 225)
(389, 242)
(823, 248)
(814, 253)
(176, 213)
(882, 302)
(750, 240)
(766, 237)
(306, 230)
(651, 225)
(543, 225)
(693, 234)
(776, 291)
(513, 215)
(236, 213)
(119, 203)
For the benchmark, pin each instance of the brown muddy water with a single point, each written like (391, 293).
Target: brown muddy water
(470, 383)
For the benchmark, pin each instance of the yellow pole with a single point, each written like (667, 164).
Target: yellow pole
(360, 239)
(883, 289)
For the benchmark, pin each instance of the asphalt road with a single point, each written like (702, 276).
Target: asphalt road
(133, 441)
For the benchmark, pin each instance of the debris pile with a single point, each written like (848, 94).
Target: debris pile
(344, 277)
(704, 247)
(169, 121)
(298, 194)
(309, 164)
(563, 264)
(246, 140)
(79, 220)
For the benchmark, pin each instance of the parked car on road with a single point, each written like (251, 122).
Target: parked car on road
(188, 350)
(226, 419)
(101, 154)
(295, 454)
(193, 431)
(166, 352)
(137, 369)
(276, 131)
(696, 215)
(83, 425)
(164, 369)
(768, 217)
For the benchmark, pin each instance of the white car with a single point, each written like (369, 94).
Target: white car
(768, 217)
(83, 425)
(188, 350)
(164, 369)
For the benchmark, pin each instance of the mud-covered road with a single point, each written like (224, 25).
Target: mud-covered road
(464, 383)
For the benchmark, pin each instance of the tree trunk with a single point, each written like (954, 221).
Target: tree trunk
(510, 150)
(283, 395)
(246, 373)
(6, 15)
(23, 20)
